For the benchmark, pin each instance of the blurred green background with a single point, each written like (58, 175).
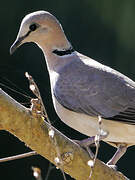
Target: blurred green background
(103, 30)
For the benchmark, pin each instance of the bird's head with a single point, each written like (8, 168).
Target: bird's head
(42, 28)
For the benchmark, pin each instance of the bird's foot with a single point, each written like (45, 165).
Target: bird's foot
(83, 144)
(90, 142)
(112, 166)
(119, 153)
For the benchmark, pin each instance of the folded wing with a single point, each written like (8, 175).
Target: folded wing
(86, 86)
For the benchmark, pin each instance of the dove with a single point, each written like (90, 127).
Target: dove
(82, 89)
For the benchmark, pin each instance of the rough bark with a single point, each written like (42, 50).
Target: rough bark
(33, 131)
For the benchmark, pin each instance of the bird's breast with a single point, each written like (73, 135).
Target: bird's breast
(88, 125)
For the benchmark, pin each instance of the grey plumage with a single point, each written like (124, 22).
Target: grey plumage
(88, 87)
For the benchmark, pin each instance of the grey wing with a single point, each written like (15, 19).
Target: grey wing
(96, 90)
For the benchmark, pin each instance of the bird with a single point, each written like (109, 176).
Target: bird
(82, 89)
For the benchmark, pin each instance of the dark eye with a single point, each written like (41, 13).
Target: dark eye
(33, 27)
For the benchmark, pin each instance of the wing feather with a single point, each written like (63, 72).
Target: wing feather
(88, 87)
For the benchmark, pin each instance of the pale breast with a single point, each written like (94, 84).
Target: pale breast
(118, 132)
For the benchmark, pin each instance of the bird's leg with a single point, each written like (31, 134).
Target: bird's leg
(90, 142)
(86, 143)
(119, 153)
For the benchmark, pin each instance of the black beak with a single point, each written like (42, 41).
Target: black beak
(16, 44)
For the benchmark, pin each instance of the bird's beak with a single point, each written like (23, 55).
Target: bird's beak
(16, 44)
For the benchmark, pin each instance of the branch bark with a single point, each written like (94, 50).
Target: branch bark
(33, 131)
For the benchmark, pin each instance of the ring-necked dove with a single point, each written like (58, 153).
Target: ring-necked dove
(82, 88)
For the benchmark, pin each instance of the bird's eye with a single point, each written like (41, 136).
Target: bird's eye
(33, 27)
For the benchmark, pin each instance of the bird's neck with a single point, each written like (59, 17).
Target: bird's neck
(57, 54)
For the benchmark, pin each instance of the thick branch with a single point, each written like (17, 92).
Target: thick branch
(32, 130)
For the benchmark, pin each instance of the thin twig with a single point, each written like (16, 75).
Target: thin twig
(49, 170)
(35, 90)
(97, 143)
(20, 156)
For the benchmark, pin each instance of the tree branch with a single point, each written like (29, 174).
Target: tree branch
(34, 131)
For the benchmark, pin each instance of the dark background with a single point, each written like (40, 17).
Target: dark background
(103, 30)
